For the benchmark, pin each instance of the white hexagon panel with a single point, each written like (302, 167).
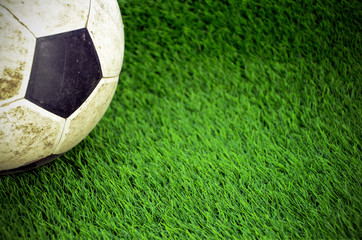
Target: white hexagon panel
(31, 137)
(60, 64)
(16, 57)
(49, 17)
(84, 119)
(105, 20)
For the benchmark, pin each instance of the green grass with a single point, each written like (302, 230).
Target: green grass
(232, 120)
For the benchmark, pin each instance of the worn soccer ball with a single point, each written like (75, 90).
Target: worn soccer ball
(60, 62)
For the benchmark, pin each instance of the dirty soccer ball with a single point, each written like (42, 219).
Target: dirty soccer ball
(59, 66)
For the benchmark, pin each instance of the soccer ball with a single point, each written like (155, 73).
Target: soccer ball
(60, 62)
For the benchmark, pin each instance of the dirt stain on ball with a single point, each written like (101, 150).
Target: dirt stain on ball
(10, 81)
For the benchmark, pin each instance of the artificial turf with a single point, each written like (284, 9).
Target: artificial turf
(232, 120)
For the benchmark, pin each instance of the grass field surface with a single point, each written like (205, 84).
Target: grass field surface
(232, 120)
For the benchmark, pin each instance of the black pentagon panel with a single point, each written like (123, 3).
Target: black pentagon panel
(65, 71)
